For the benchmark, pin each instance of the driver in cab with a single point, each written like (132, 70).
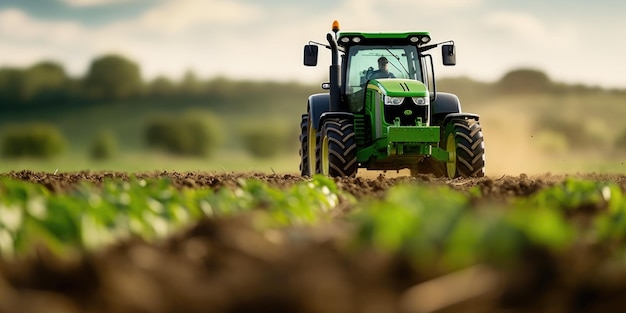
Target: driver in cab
(383, 71)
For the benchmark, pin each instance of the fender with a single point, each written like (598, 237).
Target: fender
(463, 116)
(329, 115)
(317, 105)
(444, 104)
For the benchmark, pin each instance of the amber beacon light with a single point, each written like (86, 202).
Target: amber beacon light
(335, 26)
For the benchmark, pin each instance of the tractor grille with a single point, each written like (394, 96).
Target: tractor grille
(362, 129)
(408, 112)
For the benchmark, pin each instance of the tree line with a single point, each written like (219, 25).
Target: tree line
(113, 78)
(110, 77)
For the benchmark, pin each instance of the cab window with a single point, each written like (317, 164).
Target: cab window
(363, 61)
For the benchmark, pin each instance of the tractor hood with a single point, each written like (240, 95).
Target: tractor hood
(398, 87)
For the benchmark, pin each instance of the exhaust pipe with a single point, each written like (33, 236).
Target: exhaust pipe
(334, 75)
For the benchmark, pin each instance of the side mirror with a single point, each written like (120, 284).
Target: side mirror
(310, 55)
(448, 55)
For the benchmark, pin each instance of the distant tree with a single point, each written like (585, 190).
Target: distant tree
(11, 87)
(45, 82)
(191, 85)
(265, 140)
(196, 133)
(162, 87)
(113, 77)
(104, 146)
(465, 88)
(40, 140)
(525, 80)
(221, 87)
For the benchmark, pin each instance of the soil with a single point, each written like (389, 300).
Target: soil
(492, 187)
(225, 265)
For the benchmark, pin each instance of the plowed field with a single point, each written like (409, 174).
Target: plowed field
(496, 187)
(223, 265)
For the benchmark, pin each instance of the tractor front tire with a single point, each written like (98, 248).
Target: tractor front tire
(464, 140)
(336, 149)
(305, 168)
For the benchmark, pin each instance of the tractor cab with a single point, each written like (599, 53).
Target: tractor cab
(364, 64)
(360, 54)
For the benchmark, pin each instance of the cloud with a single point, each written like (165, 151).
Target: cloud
(168, 39)
(248, 40)
(26, 40)
(91, 3)
(519, 24)
(15, 25)
(425, 5)
(180, 15)
(521, 39)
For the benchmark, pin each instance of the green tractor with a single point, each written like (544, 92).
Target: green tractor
(390, 117)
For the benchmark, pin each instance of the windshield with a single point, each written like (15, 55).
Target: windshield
(403, 62)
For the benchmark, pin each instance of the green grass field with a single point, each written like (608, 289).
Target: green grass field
(226, 161)
(230, 161)
(558, 133)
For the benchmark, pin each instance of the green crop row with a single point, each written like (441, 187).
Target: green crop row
(91, 217)
(432, 225)
(444, 227)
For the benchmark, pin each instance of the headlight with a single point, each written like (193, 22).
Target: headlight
(393, 100)
(421, 100)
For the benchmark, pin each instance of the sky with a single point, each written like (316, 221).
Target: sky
(571, 41)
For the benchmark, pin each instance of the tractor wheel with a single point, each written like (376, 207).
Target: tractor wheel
(307, 146)
(336, 150)
(305, 167)
(464, 140)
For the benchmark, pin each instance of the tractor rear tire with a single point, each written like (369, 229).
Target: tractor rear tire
(304, 146)
(336, 149)
(464, 138)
